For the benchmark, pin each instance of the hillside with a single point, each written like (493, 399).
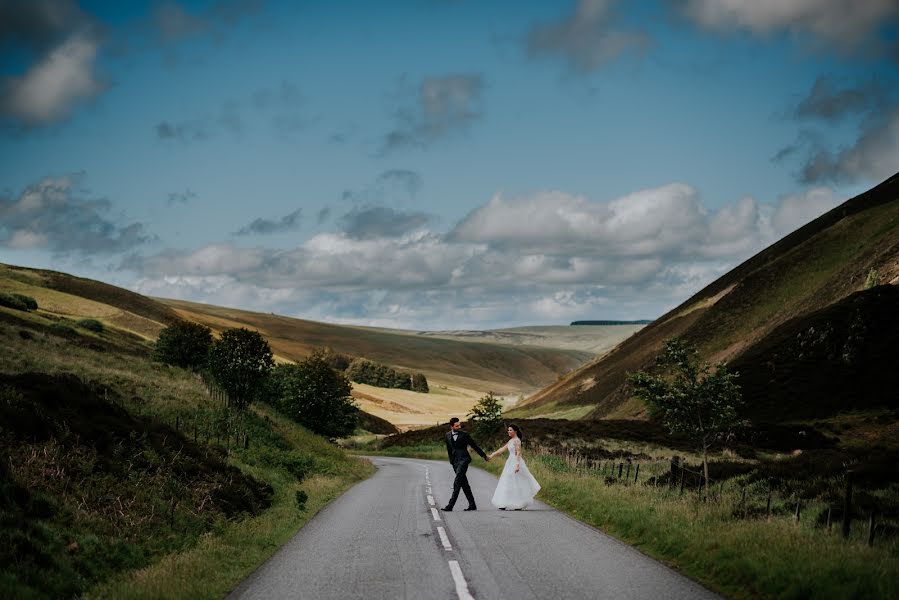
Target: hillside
(503, 368)
(810, 285)
(121, 477)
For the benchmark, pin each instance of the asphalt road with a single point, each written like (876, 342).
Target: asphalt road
(381, 540)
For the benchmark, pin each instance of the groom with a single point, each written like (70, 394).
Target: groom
(457, 442)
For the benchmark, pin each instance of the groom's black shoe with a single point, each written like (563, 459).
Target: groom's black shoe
(447, 509)
(472, 508)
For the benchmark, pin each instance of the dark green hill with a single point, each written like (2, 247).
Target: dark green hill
(817, 266)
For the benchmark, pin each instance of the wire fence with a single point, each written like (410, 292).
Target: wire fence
(673, 478)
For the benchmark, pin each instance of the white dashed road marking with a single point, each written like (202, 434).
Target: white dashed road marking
(435, 514)
(461, 584)
(431, 500)
(443, 539)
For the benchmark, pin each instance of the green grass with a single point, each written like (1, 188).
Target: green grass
(218, 563)
(73, 524)
(751, 557)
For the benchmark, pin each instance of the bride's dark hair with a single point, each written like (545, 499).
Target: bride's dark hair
(517, 430)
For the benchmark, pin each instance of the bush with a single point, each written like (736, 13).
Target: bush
(63, 330)
(872, 279)
(183, 344)
(336, 360)
(301, 499)
(487, 415)
(315, 396)
(91, 325)
(13, 301)
(362, 370)
(240, 361)
(420, 383)
(30, 302)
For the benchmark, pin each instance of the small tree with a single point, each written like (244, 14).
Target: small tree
(420, 383)
(487, 415)
(692, 398)
(239, 362)
(183, 344)
(316, 396)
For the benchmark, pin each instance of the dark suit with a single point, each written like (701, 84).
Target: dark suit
(460, 459)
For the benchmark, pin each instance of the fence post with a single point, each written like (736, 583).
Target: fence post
(798, 508)
(871, 528)
(768, 505)
(681, 481)
(675, 467)
(743, 502)
(847, 505)
(637, 474)
(627, 477)
(620, 469)
(246, 442)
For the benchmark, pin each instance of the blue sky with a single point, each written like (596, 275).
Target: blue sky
(434, 164)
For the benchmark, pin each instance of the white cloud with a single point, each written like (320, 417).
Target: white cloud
(845, 23)
(53, 214)
(873, 157)
(49, 89)
(549, 257)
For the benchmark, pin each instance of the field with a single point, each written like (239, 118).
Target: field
(461, 367)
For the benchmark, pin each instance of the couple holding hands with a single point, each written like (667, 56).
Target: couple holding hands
(516, 488)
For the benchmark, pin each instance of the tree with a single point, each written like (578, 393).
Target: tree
(487, 415)
(183, 344)
(316, 396)
(420, 383)
(240, 361)
(691, 398)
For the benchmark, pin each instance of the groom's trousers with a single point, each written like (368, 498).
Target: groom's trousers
(461, 482)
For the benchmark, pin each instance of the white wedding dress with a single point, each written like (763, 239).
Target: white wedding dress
(515, 490)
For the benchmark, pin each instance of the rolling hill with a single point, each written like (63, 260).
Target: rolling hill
(460, 368)
(810, 324)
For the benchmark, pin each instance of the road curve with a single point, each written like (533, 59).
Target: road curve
(382, 540)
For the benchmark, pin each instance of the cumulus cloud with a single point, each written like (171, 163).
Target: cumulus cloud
(846, 24)
(49, 90)
(51, 214)
(637, 255)
(586, 39)
(381, 221)
(260, 226)
(873, 157)
(443, 106)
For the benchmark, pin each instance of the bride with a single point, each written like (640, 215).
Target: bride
(517, 487)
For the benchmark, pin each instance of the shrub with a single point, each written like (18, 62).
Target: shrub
(487, 415)
(315, 396)
(301, 499)
(12, 301)
(92, 325)
(183, 344)
(420, 383)
(240, 361)
(62, 329)
(362, 370)
(872, 279)
(30, 302)
(336, 360)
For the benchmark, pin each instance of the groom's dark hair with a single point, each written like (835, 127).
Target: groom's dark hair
(454, 420)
